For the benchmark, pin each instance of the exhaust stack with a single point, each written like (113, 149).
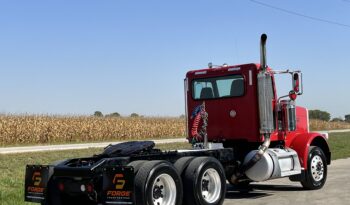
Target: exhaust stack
(265, 92)
(265, 96)
(263, 64)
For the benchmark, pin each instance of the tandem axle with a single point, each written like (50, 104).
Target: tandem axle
(109, 178)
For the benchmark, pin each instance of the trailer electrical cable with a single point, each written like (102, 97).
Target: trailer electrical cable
(199, 113)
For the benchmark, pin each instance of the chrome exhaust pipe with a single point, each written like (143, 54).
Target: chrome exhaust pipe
(263, 64)
(265, 112)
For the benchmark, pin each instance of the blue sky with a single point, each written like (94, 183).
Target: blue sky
(76, 57)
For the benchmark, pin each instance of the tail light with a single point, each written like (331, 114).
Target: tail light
(89, 188)
(61, 186)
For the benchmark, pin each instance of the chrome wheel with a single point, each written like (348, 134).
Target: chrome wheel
(164, 190)
(211, 185)
(204, 182)
(316, 174)
(317, 168)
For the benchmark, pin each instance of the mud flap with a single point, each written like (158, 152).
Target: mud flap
(36, 179)
(118, 185)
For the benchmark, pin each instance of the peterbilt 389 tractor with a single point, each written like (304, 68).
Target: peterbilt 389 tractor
(240, 131)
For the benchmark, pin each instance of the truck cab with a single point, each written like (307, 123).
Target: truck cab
(230, 96)
(242, 110)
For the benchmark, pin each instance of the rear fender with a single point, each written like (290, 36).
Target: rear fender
(302, 143)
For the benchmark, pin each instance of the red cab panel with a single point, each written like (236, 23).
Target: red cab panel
(230, 98)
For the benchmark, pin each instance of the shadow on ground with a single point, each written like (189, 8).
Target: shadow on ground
(255, 191)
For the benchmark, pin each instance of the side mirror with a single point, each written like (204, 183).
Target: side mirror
(297, 83)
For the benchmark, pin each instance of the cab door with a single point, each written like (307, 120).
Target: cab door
(231, 103)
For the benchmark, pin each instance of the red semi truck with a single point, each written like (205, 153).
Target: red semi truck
(240, 130)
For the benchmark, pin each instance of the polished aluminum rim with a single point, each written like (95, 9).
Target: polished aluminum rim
(211, 185)
(164, 190)
(317, 168)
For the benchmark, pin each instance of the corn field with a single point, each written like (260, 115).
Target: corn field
(33, 129)
(20, 130)
(323, 125)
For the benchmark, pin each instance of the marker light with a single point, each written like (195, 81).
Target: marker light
(292, 95)
(61, 186)
(82, 188)
(89, 188)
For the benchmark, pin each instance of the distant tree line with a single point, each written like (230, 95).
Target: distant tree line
(326, 116)
(100, 114)
(347, 118)
(319, 115)
(114, 114)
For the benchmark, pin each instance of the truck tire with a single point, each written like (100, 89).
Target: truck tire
(316, 173)
(204, 182)
(158, 183)
(182, 163)
(137, 165)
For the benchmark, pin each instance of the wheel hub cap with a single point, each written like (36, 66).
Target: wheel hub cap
(157, 192)
(164, 190)
(211, 185)
(317, 168)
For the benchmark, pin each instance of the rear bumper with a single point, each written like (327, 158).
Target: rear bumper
(112, 185)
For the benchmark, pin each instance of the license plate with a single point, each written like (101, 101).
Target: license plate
(36, 179)
(118, 185)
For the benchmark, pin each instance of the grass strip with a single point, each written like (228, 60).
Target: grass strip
(12, 166)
